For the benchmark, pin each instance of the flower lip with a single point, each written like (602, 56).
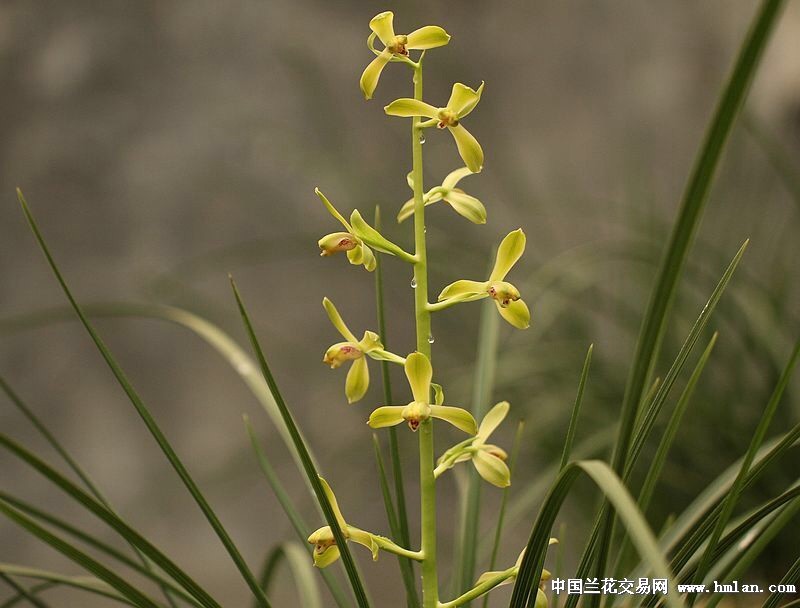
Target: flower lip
(447, 118)
(340, 352)
(503, 293)
(336, 242)
(397, 45)
(415, 413)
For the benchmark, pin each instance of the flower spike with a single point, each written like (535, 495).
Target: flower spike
(489, 460)
(357, 252)
(357, 381)
(507, 297)
(461, 202)
(462, 101)
(396, 46)
(419, 373)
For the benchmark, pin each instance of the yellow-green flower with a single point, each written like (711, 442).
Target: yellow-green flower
(505, 295)
(489, 460)
(352, 349)
(357, 251)
(461, 202)
(325, 550)
(382, 26)
(462, 101)
(420, 373)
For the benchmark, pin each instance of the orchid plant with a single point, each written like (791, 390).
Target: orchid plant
(358, 240)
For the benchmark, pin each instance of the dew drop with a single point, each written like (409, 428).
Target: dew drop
(413, 282)
(425, 230)
(421, 138)
(431, 339)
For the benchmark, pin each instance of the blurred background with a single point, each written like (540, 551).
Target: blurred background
(162, 145)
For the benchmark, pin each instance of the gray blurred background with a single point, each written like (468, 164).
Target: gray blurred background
(162, 145)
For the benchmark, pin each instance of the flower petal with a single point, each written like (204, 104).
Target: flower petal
(368, 234)
(468, 147)
(410, 107)
(454, 177)
(516, 313)
(357, 383)
(383, 26)
(356, 255)
(370, 342)
(438, 393)
(366, 539)
(463, 99)
(510, 250)
(428, 37)
(387, 415)
(467, 206)
(491, 421)
(419, 373)
(492, 469)
(332, 210)
(334, 505)
(464, 290)
(337, 321)
(372, 73)
(458, 417)
(369, 258)
(327, 557)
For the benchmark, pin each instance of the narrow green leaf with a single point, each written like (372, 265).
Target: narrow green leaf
(406, 571)
(85, 583)
(501, 515)
(300, 527)
(394, 446)
(609, 483)
(692, 206)
(43, 430)
(308, 465)
(297, 559)
(136, 597)
(576, 410)
(486, 359)
(97, 544)
(792, 577)
(220, 341)
(110, 518)
(736, 489)
(148, 419)
(26, 594)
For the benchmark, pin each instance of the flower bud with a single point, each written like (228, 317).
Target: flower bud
(503, 293)
(340, 352)
(337, 241)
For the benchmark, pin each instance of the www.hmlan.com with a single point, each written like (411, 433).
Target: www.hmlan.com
(653, 586)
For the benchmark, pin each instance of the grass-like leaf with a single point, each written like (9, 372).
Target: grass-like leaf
(484, 374)
(402, 534)
(615, 492)
(755, 443)
(148, 419)
(308, 464)
(296, 558)
(682, 236)
(576, 410)
(299, 526)
(84, 583)
(134, 595)
(501, 514)
(28, 595)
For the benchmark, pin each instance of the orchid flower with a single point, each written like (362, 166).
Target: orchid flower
(352, 349)
(357, 251)
(462, 101)
(382, 26)
(420, 373)
(461, 202)
(505, 295)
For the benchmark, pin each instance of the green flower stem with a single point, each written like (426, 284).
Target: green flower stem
(479, 590)
(387, 545)
(427, 482)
